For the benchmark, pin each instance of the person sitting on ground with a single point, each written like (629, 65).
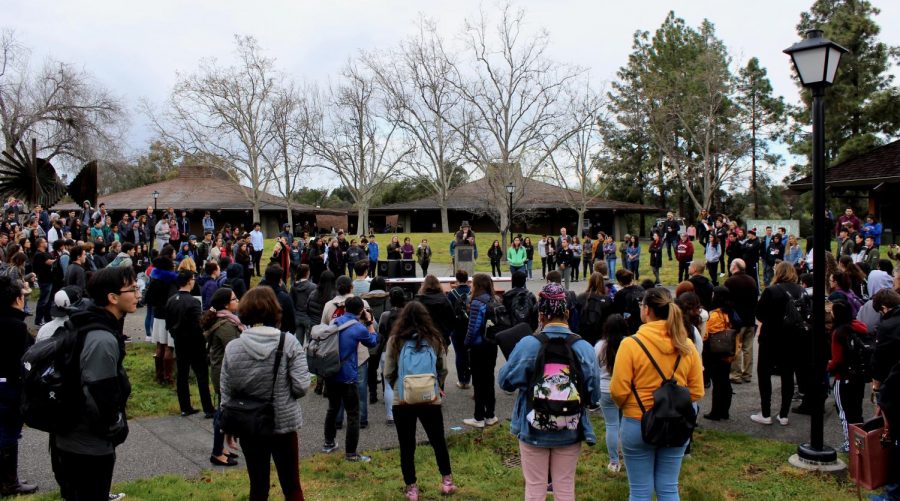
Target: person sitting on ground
(414, 336)
(247, 370)
(549, 445)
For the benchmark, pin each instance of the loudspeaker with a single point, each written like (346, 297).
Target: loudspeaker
(383, 269)
(408, 268)
(393, 268)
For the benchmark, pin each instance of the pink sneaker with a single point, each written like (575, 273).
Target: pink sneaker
(412, 492)
(447, 485)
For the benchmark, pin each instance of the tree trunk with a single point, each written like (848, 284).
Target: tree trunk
(445, 221)
(290, 215)
(256, 218)
(579, 230)
(362, 220)
(504, 226)
(753, 166)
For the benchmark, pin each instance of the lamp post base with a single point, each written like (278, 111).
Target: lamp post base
(809, 458)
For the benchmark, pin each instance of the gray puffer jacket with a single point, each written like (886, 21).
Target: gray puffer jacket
(247, 370)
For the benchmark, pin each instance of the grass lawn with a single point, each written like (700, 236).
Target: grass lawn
(147, 397)
(723, 467)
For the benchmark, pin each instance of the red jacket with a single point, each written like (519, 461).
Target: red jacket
(838, 363)
(684, 251)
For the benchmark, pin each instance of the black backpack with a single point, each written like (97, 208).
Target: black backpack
(557, 395)
(797, 319)
(496, 319)
(632, 313)
(51, 381)
(461, 311)
(860, 355)
(521, 308)
(671, 421)
(597, 307)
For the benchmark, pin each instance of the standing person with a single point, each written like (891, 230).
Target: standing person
(627, 300)
(432, 296)
(300, 292)
(257, 241)
(684, 253)
(42, 264)
(745, 296)
(495, 254)
(84, 457)
(662, 341)
(872, 228)
(162, 286)
(372, 248)
(549, 445)
(713, 254)
(416, 345)
(587, 255)
(702, 285)
(13, 343)
(406, 251)
(529, 256)
(656, 252)
(633, 256)
(482, 353)
(615, 329)
(423, 256)
(609, 253)
(335, 258)
(385, 324)
(751, 250)
(849, 389)
(542, 253)
(847, 221)
(516, 256)
(459, 297)
(160, 230)
(183, 323)
(670, 229)
(733, 249)
(220, 326)
(343, 388)
(718, 365)
(594, 306)
(564, 258)
(249, 370)
(208, 224)
(704, 227)
(393, 248)
(551, 254)
(774, 254)
(184, 227)
(576, 257)
(721, 238)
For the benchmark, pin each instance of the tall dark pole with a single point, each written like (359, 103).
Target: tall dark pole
(815, 450)
(510, 217)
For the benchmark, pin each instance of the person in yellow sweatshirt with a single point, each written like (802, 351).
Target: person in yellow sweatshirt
(665, 337)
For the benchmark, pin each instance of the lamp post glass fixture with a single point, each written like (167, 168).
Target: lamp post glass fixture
(816, 60)
(510, 188)
(155, 196)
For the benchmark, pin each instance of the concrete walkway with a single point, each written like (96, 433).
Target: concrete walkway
(176, 445)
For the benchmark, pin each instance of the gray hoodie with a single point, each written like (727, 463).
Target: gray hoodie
(247, 370)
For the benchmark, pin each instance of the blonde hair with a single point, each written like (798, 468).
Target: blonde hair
(784, 273)
(659, 301)
(187, 264)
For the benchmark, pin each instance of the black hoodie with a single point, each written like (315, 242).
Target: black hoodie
(440, 310)
(288, 321)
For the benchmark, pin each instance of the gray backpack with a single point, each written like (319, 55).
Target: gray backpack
(323, 351)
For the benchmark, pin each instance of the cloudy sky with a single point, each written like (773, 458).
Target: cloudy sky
(136, 48)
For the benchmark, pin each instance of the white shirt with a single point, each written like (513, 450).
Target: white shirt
(542, 248)
(256, 240)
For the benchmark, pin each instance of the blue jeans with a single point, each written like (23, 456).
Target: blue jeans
(612, 417)
(528, 265)
(362, 381)
(463, 370)
(611, 264)
(148, 320)
(218, 434)
(513, 269)
(649, 468)
(388, 393)
(43, 307)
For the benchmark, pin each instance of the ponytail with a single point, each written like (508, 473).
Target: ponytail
(659, 300)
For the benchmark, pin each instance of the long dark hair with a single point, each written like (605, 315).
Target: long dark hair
(414, 319)
(482, 284)
(325, 288)
(614, 331)
(219, 301)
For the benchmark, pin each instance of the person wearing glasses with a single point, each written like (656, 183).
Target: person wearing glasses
(84, 457)
(183, 323)
(221, 326)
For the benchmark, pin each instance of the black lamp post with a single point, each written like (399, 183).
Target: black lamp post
(790, 208)
(155, 196)
(816, 60)
(510, 188)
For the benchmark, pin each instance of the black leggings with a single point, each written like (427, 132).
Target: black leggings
(495, 268)
(192, 357)
(483, 359)
(284, 450)
(82, 477)
(765, 369)
(718, 370)
(713, 268)
(432, 420)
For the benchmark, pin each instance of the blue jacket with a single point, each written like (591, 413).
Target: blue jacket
(518, 374)
(350, 337)
(874, 231)
(373, 251)
(477, 317)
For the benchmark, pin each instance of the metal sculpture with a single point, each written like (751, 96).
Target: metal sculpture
(27, 177)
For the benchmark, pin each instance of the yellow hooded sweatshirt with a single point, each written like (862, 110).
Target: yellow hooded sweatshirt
(633, 366)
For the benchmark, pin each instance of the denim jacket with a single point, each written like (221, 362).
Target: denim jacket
(517, 374)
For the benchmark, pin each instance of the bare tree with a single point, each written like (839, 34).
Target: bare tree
(69, 114)
(416, 80)
(511, 103)
(354, 135)
(287, 152)
(225, 112)
(578, 163)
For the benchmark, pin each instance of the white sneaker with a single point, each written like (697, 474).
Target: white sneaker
(474, 423)
(148, 339)
(758, 418)
(491, 421)
(614, 467)
(783, 421)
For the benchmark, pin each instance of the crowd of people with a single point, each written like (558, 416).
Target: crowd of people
(611, 349)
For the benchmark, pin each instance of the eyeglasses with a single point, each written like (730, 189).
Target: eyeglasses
(234, 299)
(132, 290)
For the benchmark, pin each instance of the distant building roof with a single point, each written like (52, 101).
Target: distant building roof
(881, 165)
(196, 187)
(540, 195)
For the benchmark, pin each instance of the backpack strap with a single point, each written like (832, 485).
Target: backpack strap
(575, 365)
(655, 366)
(278, 354)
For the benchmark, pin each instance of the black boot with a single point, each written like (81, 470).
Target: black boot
(9, 477)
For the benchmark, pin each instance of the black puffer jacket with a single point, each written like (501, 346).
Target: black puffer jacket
(440, 310)
(288, 321)
(235, 279)
(315, 305)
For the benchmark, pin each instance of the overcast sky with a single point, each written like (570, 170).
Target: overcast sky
(135, 48)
